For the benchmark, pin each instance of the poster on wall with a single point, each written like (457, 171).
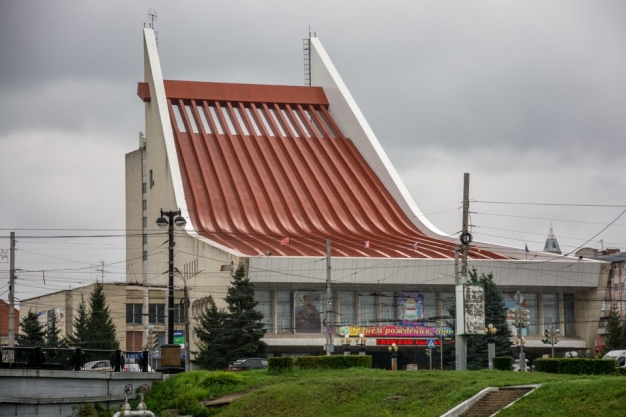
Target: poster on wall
(43, 318)
(307, 311)
(511, 307)
(410, 308)
(60, 319)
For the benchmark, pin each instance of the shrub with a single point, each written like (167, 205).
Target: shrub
(621, 371)
(277, 365)
(503, 363)
(221, 378)
(576, 366)
(333, 362)
(308, 362)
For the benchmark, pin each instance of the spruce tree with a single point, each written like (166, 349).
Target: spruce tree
(100, 329)
(615, 338)
(32, 333)
(495, 313)
(79, 337)
(243, 324)
(54, 341)
(213, 347)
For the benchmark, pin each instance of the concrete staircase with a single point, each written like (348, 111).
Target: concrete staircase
(494, 401)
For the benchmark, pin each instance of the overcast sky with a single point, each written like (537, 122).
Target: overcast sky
(528, 97)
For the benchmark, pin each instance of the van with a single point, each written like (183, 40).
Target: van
(617, 355)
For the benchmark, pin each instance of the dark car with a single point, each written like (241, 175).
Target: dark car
(245, 364)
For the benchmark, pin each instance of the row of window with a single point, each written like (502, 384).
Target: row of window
(156, 313)
(350, 308)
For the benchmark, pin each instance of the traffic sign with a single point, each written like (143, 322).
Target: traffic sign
(519, 298)
(431, 343)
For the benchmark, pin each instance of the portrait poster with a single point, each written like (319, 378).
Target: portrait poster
(410, 308)
(307, 307)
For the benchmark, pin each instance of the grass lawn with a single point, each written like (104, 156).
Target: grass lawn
(373, 392)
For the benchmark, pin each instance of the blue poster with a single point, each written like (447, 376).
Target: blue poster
(410, 308)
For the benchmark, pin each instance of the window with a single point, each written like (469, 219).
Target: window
(145, 239)
(387, 304)
(347, 308)
(284, 312)
(143, 187)
(144, 204)
(156, 313)
(145, 255)
(145, 222)
(550, 310)
(367, 310)
(606, 305)
(569, 314)
(151, 180)
(430, 307)
(264, 306)
(133, 313)
(179, 314)
(447, 300)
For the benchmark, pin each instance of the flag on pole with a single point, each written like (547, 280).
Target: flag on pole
(415, 246)
(367, 244)
(526, 248)
(284, 241)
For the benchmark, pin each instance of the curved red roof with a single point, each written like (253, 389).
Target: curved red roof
(263, 163)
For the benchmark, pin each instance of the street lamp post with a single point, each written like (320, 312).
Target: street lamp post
(170, 219)
(393, 349)
(361, 344)
(490, 331)
(345, 342)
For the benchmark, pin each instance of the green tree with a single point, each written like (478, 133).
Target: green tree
(243, 324)
(100, 329)
(495, 313)
(615, 337)
(80, 325)
(33, 333)
(53, 340)
(235, 333)
(213, 348)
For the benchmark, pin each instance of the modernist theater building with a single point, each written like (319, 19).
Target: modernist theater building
(265, 174)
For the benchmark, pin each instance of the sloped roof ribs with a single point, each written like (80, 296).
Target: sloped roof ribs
(260, 163)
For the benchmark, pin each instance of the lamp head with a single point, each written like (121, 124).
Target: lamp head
(162, 222)
(180, 222)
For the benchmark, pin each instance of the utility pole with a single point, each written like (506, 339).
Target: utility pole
(328, 300)
(461, 340)
(187, 334)
(12, 296)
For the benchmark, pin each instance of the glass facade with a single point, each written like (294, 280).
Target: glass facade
(156, 313)
(347, 308)
(367, 310)
(570, 315)
(387, 309)
(533, 310)
(284, 312)
(550, 310)
(264, 306)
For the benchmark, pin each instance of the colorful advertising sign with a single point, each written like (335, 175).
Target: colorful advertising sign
(179, 337)
(406, 342)
(393, 331)
(410, 308)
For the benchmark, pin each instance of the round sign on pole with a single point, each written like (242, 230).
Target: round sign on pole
(330, 330)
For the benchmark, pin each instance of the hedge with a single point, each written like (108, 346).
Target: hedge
(503, 363)
(576, 366)
(277, 365)
(282, 364)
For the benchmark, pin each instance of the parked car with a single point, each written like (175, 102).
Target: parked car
(617, 355)
(102, 365)
(245, 364)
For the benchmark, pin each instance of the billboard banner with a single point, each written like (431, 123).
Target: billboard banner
(410, 308)
(394, 331)
(307, 311)
(470, 309)
(179, 337)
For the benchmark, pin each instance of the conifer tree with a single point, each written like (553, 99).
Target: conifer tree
(615, 338)
(495, 313)
(100, 329)
(54, 341)
(32, 333)
(243, 324)
(80, 325)
(213, 349)
(236, 333)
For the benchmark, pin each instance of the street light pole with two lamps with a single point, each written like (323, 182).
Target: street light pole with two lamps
(170, 219)
(490, 331)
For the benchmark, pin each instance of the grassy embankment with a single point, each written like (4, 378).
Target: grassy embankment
(373, 392)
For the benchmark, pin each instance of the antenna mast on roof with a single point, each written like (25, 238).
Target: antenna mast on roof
(306, 45)
(152, 15)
